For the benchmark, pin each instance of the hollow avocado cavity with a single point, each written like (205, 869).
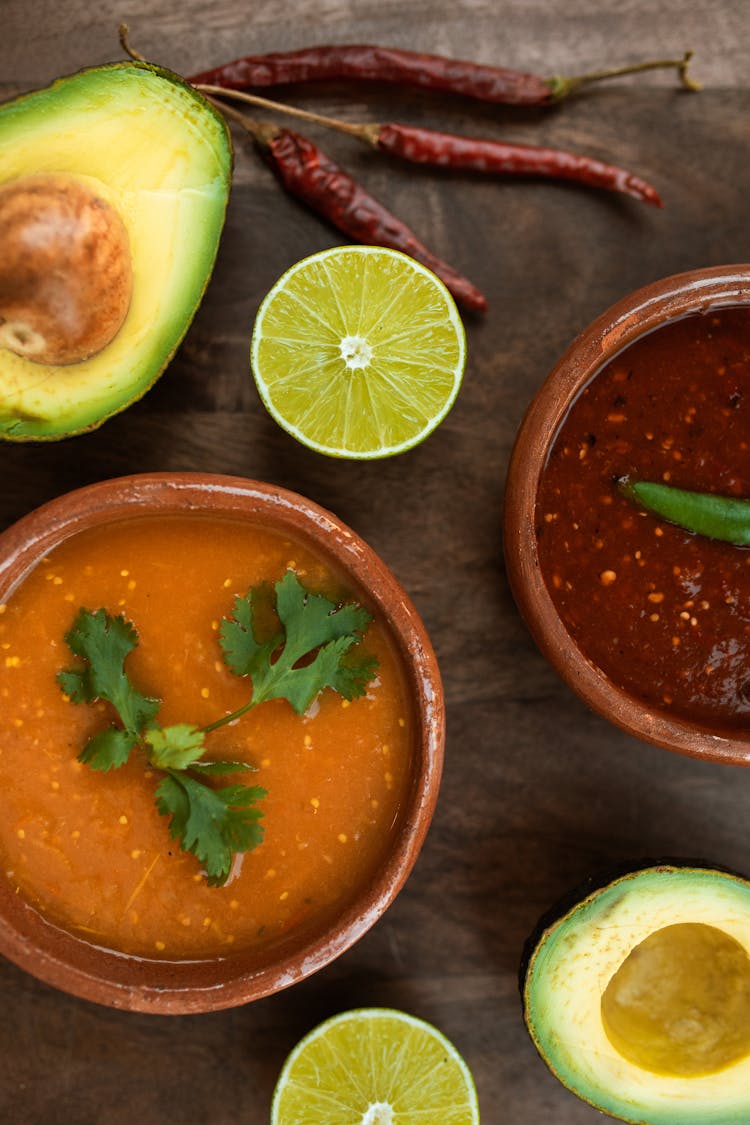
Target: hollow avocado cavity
(680, 1002)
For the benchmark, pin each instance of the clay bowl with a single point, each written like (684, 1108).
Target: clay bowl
(625, 322)
(173, 987)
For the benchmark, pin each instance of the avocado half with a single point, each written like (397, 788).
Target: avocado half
(157, 152)
(638, 996)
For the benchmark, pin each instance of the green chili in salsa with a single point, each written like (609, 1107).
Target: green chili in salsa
(718, 517)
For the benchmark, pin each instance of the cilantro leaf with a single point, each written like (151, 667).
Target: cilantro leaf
(103, 642)
(177, 747)
(109, 749)
(317, 633)
(244, 653)
(311, 619)
(301, 685)
(77, 685)
(211, 823)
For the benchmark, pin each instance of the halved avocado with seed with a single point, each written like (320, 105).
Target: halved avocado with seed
(113, 190)
(637, 996)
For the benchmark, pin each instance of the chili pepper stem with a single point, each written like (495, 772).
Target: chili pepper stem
(123, 34)
(363, 132)
(561, 86)
(261, 131)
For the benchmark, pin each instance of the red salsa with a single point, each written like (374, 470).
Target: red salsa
(664, 613)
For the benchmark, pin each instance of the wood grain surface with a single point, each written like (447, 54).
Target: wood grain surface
(537, 792)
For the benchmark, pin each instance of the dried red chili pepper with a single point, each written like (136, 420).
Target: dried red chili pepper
(434, 72)
(424, 146)
(449, 150)
(310, 175)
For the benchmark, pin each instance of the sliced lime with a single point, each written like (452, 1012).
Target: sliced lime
(358, 351)
(375, 1066)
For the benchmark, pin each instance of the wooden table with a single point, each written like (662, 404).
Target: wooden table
(537, 791)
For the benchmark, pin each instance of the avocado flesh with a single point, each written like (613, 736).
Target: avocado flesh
(568, 1008)
(154, 149)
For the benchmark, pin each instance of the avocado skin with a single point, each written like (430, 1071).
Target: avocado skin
(597, 881)
(23, 423)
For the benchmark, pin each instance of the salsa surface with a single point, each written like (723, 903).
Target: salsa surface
(89, 849)
(662, 612)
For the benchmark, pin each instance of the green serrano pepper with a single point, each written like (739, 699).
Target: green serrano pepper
(718, 517)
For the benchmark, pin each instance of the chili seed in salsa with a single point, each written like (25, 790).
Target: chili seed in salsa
(664, 613)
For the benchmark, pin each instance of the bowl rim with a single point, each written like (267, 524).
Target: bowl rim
(119, 980)
(635, 315)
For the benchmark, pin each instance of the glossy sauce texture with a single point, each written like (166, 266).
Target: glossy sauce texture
(663, 613)
(89, 849)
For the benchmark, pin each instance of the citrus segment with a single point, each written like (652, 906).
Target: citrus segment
(375, 1066)
(358, 352)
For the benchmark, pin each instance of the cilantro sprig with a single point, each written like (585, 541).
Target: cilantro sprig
(103, 642)
(290, 643)
(309, 624)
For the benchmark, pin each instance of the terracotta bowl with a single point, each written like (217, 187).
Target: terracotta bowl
(622, 324)
(173, 987)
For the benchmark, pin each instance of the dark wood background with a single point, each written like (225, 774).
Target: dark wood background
(537, 791)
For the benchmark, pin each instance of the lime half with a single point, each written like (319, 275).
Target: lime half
(358, 351)
(375, 1066)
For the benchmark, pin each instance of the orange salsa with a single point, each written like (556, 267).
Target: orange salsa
(89, 849)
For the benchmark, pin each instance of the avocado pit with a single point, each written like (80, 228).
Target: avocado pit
(65, 269)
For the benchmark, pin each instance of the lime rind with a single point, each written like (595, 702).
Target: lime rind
(346, 1067)
(413, 378)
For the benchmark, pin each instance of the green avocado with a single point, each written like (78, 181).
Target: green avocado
(147, 147)
(637, 996)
